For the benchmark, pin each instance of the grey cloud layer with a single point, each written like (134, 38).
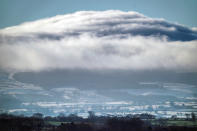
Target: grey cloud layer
(98, 40)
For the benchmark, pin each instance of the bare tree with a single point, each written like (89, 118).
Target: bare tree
(187, 116)
(193, 116)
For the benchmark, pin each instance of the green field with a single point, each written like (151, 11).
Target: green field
(153, 122)
(175, 123)
(55, 123)
(181, 123)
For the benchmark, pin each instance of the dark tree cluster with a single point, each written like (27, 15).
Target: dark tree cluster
(20, 123)
(73, 122)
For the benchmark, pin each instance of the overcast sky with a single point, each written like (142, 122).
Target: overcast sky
(14, 12)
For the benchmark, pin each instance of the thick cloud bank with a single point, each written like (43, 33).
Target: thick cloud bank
(98, 40)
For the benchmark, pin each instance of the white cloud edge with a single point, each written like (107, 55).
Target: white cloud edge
(88, 51)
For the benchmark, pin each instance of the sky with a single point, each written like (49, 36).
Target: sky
(13, 12)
